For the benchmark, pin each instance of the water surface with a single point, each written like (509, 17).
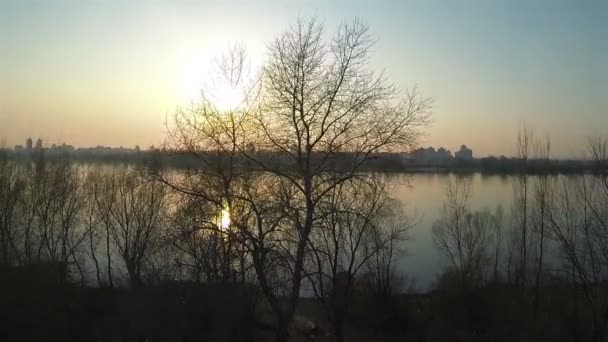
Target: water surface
(422, 196)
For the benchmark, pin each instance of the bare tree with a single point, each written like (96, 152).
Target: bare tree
(578, 223)
(56, 214)
(381, 277)
(322, 108)
(34, 179)
(463, 235)
(211, 136)
(136, 214)
(263, 227)
(98, 223)
(524, 145)
(542, 203)
(355, 224)
(13, 187)
(104, 200)
(597, 147)
(70, 197)
(199, 234)
(92, 220)
(318, 106)
(497, 223)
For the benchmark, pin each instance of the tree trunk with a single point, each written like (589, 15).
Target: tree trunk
(109, 259)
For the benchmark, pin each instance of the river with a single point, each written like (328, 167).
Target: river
(422, 196)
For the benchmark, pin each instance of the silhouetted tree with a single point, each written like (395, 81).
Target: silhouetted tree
(498, 225)
(316, 101)
(137, 212)
(319, 100)
(11, 193)
(213, 137)
(357, 222)
(597, 148)
(578, 222)
(542, 191)
(521, 203)
(463, 235)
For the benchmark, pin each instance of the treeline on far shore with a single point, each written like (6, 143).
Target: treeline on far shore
(381, 162)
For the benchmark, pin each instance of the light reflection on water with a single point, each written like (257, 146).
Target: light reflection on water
(422, 197)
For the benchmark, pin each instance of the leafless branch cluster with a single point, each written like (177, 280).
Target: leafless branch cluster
(465, 236)
(287, 162)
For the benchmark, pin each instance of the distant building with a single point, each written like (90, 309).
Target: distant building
(464, 154)
(39, 144)
(430, 156)
(66, 147)
(28, 144)
(18, 148)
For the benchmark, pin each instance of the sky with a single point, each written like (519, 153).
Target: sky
(109, 72)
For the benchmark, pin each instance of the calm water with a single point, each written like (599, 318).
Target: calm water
(422, 196)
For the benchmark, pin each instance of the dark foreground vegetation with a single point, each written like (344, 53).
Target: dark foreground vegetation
(38, 306)
(300, 243)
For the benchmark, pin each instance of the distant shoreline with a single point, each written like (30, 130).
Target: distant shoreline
(382, 162)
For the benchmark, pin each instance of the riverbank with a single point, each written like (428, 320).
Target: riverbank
(37, 306)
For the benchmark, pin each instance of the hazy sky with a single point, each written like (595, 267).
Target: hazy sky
(107, 72)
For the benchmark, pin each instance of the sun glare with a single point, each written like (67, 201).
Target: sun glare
(200, 74)
(225, 219)
(225, 97)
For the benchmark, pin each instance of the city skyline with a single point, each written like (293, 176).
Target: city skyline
(427, 152)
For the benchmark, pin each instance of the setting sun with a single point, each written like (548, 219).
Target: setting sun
(201, 76)
(225, 97)
(198, 80)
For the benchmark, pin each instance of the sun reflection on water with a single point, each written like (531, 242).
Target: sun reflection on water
(225, 218)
